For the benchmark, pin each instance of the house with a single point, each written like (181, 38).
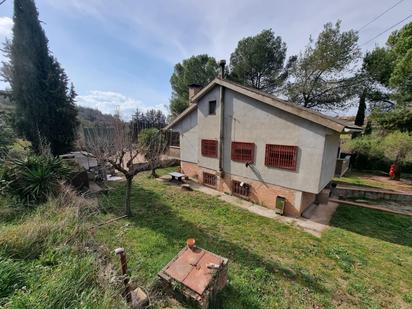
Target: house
(248, 143)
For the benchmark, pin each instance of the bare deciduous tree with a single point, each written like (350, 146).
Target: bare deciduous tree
(114, 145)
(153, 143)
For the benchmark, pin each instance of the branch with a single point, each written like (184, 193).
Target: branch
(118, 167)
(139, 167)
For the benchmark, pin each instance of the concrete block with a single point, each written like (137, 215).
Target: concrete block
(139, 299)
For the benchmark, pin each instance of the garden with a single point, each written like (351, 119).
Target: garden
(61, 254)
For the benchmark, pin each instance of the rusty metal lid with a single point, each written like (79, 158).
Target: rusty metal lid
(191, 268)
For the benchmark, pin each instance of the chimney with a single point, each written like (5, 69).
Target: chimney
(193, 90)
(222, 64)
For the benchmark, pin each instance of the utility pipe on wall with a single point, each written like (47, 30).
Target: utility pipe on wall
(222, 64)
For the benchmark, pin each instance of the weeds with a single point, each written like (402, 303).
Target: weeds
(49, 259)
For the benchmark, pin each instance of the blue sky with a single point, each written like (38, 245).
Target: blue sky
(120, 54)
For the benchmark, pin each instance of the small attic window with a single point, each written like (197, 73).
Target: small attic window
(212, 107)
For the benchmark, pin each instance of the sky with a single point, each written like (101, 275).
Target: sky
(120, 54)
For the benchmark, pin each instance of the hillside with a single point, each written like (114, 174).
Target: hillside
(90, 117)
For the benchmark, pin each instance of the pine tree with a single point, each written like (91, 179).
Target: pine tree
(44, 103)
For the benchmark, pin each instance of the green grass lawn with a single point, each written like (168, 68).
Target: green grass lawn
(358, 180)
(364, 261)
(365, 179)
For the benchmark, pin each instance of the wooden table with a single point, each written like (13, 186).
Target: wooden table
(177, 176)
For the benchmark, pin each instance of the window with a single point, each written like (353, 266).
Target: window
(212, 107)
(209, 179)
(281, 156)
(243, 152)
(209, 148)
(175, 139)
(240, 188)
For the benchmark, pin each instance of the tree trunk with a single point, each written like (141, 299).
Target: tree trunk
(360, 115)
(127, 208)
(154, 175)
(397, 171)
(153, 164)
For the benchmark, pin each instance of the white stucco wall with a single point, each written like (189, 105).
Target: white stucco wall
(208, 127)
(189, 139)
(249, 120)
(330, 153)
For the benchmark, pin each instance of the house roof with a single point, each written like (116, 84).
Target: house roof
(289, 107)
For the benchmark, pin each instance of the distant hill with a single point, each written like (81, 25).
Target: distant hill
(90, 117)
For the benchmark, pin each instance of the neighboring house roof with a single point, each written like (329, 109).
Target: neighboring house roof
(289, 107)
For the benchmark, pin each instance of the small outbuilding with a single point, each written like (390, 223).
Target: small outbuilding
(83, 158)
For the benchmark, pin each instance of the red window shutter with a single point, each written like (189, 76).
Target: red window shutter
(281, 156)
(243, 152)
(209, 148)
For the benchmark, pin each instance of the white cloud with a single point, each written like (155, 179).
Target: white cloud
(109, 102)
(6, 25)
(173, 30)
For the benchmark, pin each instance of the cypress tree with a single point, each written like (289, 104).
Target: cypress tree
(44, 103)
(62, 120)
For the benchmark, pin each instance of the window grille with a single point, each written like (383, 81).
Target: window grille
(281, 156)
(209, 179)
(240, 188)
(243, 152)
(209, 148)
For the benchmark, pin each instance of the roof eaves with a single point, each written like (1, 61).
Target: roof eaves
(285, 106)
(313, 116)
(205, 90)
(187, 111)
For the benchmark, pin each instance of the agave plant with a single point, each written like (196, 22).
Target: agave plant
(35, 178)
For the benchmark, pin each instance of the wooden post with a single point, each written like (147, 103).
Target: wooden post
(123, 263)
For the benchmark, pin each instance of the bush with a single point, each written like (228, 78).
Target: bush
(34, 179)
(378, 152)
(7, 135)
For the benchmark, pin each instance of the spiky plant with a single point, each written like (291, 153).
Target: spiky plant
(34, 179)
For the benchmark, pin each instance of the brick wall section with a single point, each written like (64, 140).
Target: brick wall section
(264, 194)
(190, 169)
(307, 200)
(260, 193)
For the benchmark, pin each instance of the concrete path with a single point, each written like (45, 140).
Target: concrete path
(315, 225)
(324, 212)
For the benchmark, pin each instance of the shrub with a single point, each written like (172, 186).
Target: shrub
(34, 179)
(20, 149)
(394, 147)
(7, 135)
